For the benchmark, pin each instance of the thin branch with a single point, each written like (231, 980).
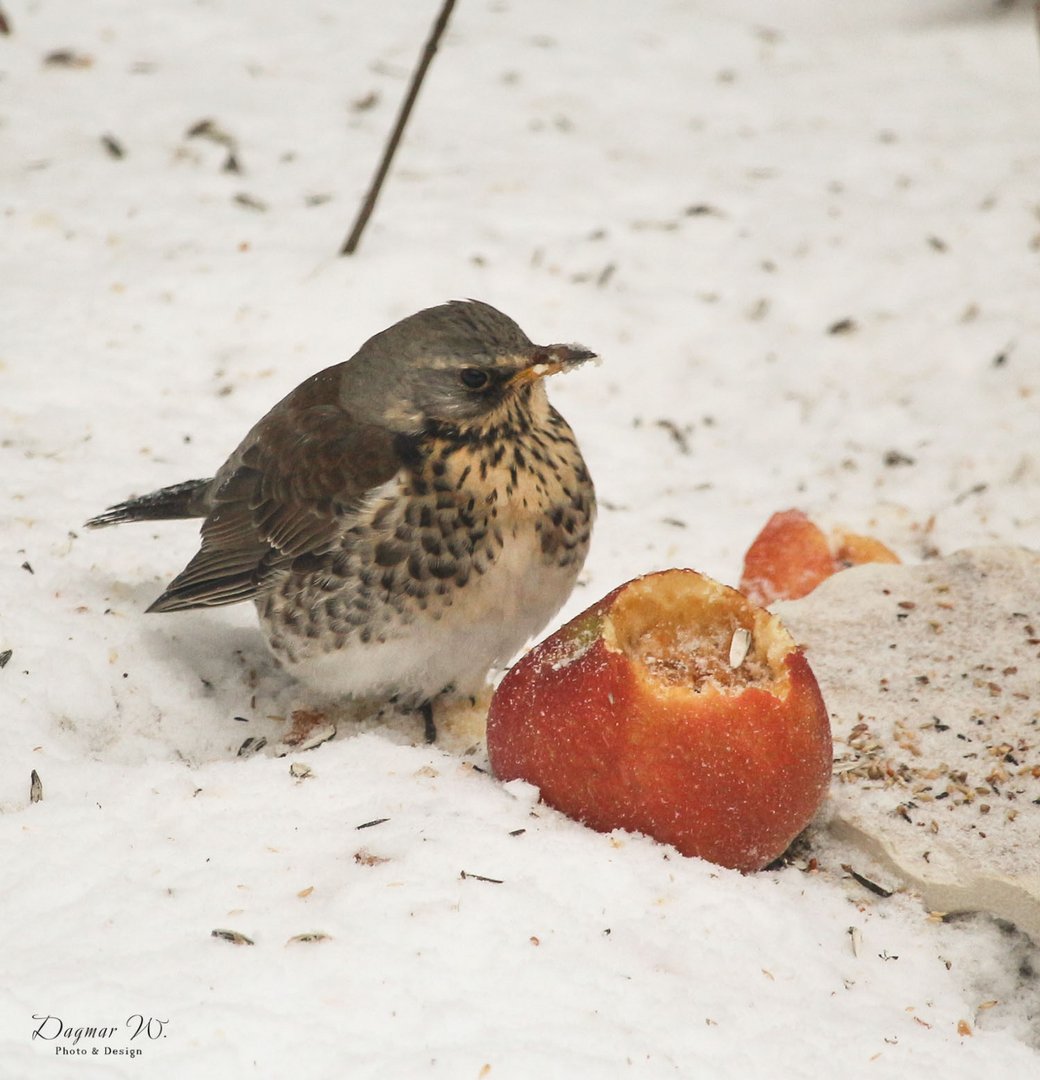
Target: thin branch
(350, 246)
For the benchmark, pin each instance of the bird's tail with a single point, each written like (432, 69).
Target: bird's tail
(186, 500)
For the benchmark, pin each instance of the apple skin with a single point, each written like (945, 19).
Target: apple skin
(791, 556)
(728, 773)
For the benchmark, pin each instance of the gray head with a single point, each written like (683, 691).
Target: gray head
(453, 364)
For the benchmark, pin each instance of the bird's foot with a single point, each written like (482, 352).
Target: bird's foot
(456, 722)
(429, 724)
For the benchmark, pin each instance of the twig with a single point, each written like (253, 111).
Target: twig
(350, 246)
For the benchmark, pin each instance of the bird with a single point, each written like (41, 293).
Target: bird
(404, 521)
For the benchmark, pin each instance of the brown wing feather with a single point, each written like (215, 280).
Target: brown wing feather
(290, 489)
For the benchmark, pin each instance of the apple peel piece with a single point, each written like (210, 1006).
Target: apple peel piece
(673, 707)
(792, 555)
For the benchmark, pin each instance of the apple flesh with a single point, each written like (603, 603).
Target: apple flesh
(673, 707)
(791, 556)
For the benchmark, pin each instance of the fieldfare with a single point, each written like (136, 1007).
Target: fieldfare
(403, 521)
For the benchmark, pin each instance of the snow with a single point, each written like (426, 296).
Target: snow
(805, 243)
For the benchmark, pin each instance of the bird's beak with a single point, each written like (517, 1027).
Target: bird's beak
(551, 360)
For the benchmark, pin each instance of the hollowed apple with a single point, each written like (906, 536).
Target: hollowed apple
(673, 707)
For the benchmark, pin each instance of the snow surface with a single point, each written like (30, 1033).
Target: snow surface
(805, 242)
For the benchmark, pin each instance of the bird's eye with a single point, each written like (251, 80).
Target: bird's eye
(474, 378)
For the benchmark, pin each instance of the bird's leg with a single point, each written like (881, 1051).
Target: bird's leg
(429, 726)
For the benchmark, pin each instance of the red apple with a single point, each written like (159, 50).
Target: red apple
(791, 556)
(642, 714)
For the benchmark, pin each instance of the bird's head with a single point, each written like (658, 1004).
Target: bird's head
(455, 365)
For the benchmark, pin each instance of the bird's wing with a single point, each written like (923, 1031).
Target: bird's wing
(288, 491)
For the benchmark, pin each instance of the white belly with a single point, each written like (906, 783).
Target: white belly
(486, 625)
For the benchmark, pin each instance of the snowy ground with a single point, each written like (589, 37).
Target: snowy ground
(808, 252)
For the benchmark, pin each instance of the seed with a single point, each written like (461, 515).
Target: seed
(233, 936)
(308, 938)
(739, 646)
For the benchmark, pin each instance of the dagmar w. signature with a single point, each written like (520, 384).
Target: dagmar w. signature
(52, 1028)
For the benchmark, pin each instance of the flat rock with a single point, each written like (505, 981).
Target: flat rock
(931, 674)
